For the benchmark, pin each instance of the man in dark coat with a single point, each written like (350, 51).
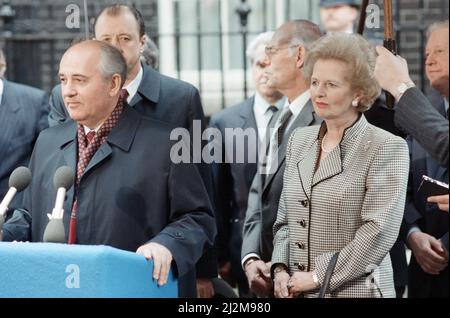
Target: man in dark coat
(128, 193)
(150, 93)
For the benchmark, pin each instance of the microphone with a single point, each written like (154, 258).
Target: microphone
(19, 180)
(62, 181)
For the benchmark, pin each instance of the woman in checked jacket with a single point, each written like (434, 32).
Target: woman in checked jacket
(344, 185)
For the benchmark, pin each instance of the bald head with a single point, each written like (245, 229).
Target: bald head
(109, 60)
(91, 74)
(120, 9)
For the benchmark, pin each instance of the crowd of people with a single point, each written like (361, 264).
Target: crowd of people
(328, 207)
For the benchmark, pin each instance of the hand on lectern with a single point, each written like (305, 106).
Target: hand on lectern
(162, 258)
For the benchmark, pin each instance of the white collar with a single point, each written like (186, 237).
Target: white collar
(261, 105)
(87, 129)
(297, 104)
(133, 86)
(1, 89)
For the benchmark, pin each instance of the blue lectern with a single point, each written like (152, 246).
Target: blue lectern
(61, 270)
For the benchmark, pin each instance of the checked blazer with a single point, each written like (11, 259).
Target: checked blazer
(352, 203)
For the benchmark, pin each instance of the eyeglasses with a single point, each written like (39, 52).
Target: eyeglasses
(272, 50)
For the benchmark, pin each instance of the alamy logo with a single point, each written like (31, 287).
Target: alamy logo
(236, 145)
(73, 277)
(73, 19)
(373, 16)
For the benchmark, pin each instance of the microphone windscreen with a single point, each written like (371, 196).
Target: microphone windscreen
(54, 232)
(63, 178)
(20, 178)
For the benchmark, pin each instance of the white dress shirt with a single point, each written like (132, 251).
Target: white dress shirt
(1, 90)
(296, 106)
(88, 130)
(263, 114)
(133, 86)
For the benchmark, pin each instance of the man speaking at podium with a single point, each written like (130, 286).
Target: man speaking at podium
(128, 193)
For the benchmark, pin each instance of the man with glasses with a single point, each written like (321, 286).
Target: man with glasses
(286, 54)
(232, 180)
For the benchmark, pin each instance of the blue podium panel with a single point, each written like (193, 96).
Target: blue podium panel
(61, 270)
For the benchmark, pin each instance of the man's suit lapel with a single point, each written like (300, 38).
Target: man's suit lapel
(149, 87)
(304, 119)
(248, 121)
(247, 116)
(69, 150)
(8, 107)
(121, 136)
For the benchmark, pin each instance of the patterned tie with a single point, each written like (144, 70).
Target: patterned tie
(88, 144)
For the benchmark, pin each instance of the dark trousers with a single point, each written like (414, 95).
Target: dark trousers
(423, 285)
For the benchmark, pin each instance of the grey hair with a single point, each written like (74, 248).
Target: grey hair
(436, 26)
(360, 57)
(112, 62)
(261, 39)
(304, 33)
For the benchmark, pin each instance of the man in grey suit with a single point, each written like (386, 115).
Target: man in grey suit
(232, 179)
(23, 115)
(150, 93)
(285, 58)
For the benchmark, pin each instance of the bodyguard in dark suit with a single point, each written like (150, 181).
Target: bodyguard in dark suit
(232, 179)
(285, 57)
(425, 229)
(128, 194)
(414, 114)
(23, 115)
(150, 93)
